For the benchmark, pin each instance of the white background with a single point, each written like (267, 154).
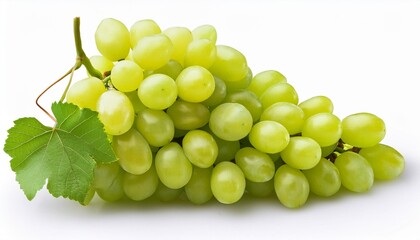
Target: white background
(364, 55)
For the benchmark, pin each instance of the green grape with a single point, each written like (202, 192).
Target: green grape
(248, 99)
(107, 181)
(324, 179)
(156, 126)
(269, 136)
(241, 84)
(158, 91)
(116, 112)
(200, 148)
(317, 104)
(218, 94)
(227, 182)
(140, 187)
(256, 166)
(166, 194)
(133, 152)
(188, 116)
(105, 174)
(227, 149)
(86, 92)
(287, 114)
(180, 38)
(200, 52)
(230, 121)
(355, 171)
(263, 80)
(302, 153)
(153, 52)
(230, 64)
(260, 189)
(387, 163)
(115, 191)
(171, 68)
(205, 32)
(326, 151)
(195, 84)
(363, 130)
(198, 189)
(172, 166)
(325, 128)
(135, 101)
(291, 186)
(101, 63)
(112, 39)
(126, 76)
(279, 92)
(142, 28)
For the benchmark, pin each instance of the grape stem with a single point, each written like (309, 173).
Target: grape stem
(81, 59)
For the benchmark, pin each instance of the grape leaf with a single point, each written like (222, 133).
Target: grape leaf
(66, 154)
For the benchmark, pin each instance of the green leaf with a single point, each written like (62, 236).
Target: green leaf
(66, 155)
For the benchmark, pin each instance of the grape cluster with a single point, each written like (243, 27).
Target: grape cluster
(187, 117)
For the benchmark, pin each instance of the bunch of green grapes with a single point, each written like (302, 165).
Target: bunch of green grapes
(187, 117)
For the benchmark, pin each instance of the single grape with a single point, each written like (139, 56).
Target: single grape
(172, 166)
(241, 84)
(287, 114)
(205, 32)
(324, 179)
(101, 63)
(291, 186)
(269, 136)
(158, 91)
(188, 116)
(218, 94)
(135, 101)
(227, 182)
(226, 149)
(126, 76)
(142, 28)
(248, 99)
(112, 39)
(230, 121)
(256, 166)
(171, 68)
(107, 181)
(180, 38)
(260, 189)
(200, 52)
(156, 126)
(133, 152)
(363, 130)
(324, 128)
(301, 153)
(140, 187)
(387, 163)
(115, 111)
(230, 64)
(195, 84)
(263, 80)
(153, 52)
(355, 171)
(317, 104)
(200, 148)
(198, 189)
(86, 92)
(279, 92)
(166, 194)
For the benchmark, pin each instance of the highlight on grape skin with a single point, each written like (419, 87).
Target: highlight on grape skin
(189, 119)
